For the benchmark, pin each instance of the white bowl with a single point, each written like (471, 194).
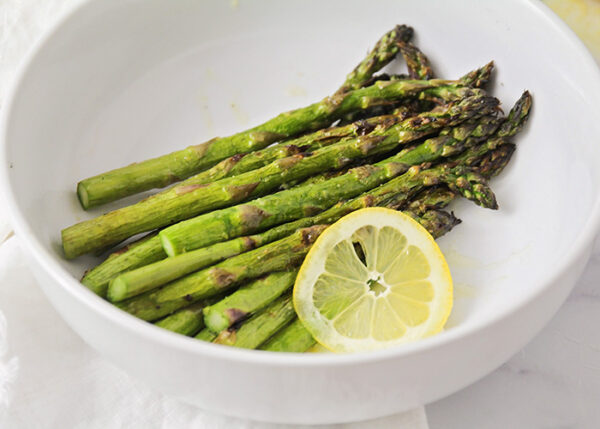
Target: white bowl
(117, 82)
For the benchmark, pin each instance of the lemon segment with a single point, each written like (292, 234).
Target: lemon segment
(374, 279)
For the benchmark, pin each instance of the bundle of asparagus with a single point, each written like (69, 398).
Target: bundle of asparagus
(225, 243)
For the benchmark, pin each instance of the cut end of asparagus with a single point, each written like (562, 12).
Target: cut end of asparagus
(168, 246)
(117, 290)
(215, 320)
(67, 249)
(83, 196)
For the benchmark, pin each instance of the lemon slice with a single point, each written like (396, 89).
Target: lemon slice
(374, 279)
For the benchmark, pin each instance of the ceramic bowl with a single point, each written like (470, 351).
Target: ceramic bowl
(115, 82)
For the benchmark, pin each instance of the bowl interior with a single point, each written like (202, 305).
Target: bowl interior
(124, 81)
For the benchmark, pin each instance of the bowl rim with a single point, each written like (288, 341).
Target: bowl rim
(166, 338)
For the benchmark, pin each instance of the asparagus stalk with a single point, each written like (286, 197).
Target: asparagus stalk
(276, 208)
(433, 198)
(476, 78)
(247, 299)
(185, 202)
(261, 326)
(141, 253)
(187, 321)
(277, 256)
(293, 338)
(206, 335)
(492, 163)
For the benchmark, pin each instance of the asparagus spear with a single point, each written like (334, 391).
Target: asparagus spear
(187, 321)
(191, 200)
(247, 299)
(261, 326)
(206, 335)
(279, 255)
(276, 208)
(150, 276)
(144, 252)
(293, 338)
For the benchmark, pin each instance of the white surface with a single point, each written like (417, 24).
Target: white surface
(526, 205)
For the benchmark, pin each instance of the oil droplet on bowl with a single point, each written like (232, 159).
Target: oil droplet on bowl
(465, 291)
(240, 115)
(295, 91)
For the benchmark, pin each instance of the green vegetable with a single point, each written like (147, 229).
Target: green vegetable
(261, 326)
(247, 300)
(206, 335)
(293, 338)
(187, 321)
